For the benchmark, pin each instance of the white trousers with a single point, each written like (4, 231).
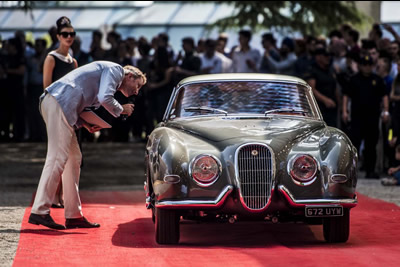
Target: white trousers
(63, 160)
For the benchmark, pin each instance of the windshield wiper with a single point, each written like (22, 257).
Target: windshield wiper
(285, 110)
(214, 110)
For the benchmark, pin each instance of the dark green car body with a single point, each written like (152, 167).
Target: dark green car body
(255, 146)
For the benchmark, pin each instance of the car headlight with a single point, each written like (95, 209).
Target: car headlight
(303, 169)
(205, 170)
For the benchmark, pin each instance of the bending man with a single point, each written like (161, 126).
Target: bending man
(91, 85)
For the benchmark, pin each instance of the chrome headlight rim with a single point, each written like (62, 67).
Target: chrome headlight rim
(215, 179)
(290, 168)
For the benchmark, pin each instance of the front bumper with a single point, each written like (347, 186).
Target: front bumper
(298, 203)
(197, 204)
(220, 200)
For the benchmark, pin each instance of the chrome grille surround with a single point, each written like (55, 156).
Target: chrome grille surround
(255, 172)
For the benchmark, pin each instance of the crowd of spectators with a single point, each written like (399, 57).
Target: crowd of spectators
(355, 81)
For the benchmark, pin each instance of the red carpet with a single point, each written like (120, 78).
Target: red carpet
(126, 238)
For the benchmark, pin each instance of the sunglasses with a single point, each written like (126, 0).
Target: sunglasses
(66, 34)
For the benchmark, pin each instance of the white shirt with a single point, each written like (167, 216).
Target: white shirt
(226, 62)
(239, 59)
(393, 71)
(214, 64)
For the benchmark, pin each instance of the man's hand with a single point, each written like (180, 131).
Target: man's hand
(389, 28)
(345, 117)
(128, 109)
(91, 128)
(393, 142)
(392, 170)
(385, 116)
(329, 103)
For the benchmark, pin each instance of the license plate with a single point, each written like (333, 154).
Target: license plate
(324, 211)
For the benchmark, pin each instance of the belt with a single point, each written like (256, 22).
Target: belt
(41, 97)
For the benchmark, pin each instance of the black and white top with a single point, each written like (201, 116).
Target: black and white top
(62, 66)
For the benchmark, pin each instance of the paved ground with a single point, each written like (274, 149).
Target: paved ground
(107, 166)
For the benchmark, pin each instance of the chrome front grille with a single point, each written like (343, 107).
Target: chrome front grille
(254, 171)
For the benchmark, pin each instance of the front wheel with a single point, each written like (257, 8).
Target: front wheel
(167, 226)
(337, 229)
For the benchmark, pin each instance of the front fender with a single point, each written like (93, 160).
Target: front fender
(168, 155)
(337, 164)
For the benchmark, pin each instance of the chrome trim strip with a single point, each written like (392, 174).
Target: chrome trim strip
(170, 102)
(197, 203)
(301, 203)
(178, 87)
(176, 179)
(339, 178)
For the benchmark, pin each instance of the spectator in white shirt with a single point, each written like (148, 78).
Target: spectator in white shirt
(210, 62)
(222, 41)
(220, 52)
(244, 58)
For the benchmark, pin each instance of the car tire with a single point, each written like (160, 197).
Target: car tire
(337, 229)
(167, 226)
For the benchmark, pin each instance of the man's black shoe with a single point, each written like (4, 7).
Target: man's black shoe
(80, 223)
(45, 220)
(57, 206)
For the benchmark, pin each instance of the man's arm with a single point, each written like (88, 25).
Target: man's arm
(279, 65)
(110, 79)
(390, 29)
(345, 114)
(329, 103)
(385, 111)
(393, 96)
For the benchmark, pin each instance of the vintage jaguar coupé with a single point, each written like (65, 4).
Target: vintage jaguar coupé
(248, 147)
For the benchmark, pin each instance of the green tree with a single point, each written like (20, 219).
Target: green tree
(311, 17)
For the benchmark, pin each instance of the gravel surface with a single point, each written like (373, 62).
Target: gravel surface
(107, 166)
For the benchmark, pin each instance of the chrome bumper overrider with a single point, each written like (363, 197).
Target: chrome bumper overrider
(197, 203)
(347, 202)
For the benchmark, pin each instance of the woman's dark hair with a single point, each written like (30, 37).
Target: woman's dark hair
(62, 23)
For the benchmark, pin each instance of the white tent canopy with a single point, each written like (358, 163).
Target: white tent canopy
(130, 18)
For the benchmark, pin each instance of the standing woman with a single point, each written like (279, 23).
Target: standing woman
(58, 63)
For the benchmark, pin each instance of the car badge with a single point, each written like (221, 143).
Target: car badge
(254, 153)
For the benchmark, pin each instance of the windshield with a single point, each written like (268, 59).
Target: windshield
(244, 97)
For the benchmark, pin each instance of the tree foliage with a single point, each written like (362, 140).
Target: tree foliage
(24, 5)
(311, 17)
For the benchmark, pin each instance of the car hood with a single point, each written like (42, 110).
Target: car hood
(224, 128)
